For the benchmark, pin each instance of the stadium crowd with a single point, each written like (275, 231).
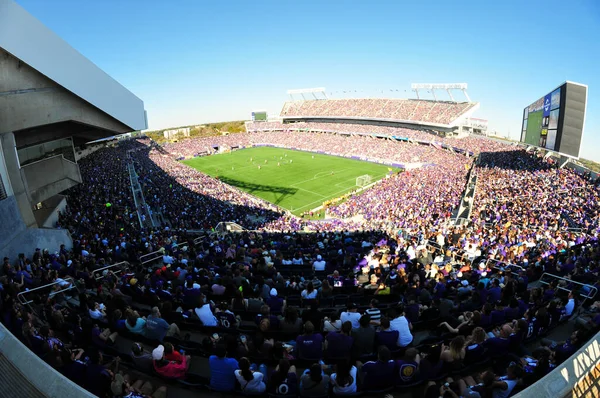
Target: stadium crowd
(398, 109)
(262, 307)
(405, 301)
(471, 143)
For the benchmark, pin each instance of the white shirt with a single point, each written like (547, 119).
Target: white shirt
(256, 385)
(347, 389)
(95, 314)
(353, 317)
(319, 265)
(570, 307)
(404, 335)
(309, 296)
(206, 315)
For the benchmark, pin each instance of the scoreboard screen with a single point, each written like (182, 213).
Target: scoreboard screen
(258, 116)
(555, 121)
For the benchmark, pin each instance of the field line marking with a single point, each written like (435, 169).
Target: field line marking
(314, 178)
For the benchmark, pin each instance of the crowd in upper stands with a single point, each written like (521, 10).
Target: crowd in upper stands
(443, 112)
(337, 310)
(470, 143)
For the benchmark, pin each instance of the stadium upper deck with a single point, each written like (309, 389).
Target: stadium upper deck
(417, 111)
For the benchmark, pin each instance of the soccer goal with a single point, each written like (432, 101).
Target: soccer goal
(362, 181)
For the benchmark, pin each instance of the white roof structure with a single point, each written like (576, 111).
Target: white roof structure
(27, 39)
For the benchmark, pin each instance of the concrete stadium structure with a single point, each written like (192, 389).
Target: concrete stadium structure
(52, 99)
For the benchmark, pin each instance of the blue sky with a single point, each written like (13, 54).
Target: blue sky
(199, 61)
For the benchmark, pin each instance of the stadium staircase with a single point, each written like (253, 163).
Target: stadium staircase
(144, 215)
(462, 214)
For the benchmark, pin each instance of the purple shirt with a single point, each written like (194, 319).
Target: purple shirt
(406, 370)
(388, 338)
(310, 347)
(339, 345)
(378, 375)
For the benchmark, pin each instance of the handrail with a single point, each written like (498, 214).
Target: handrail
(155, 255)
(24, 301)
(486, 262)
(593, 289)
(100, 270)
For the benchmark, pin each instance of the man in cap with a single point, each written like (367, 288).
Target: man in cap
(319, 264)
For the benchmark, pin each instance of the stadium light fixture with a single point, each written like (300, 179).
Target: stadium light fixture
(441, 86)
(313, 91)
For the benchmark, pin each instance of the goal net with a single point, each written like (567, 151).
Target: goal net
(362, 181)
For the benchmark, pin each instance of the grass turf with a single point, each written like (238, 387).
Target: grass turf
(295, 180)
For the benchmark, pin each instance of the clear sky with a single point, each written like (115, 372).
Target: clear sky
(194, 61)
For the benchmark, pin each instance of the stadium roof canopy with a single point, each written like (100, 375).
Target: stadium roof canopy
(48, 90)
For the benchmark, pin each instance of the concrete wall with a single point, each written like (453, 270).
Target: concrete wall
(4, 173)
(11, 223)
(576, 377)
(50, 177)
(45, 378)
(31, 238)
(28, 39)
(45, 150)
(47, 216)
(17, 181)
(31, 99)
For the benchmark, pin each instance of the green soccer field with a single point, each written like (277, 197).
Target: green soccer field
(295, 180)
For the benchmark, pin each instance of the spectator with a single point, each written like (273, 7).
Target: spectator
(374, 312)
(97, 312)
(121, 387)
(386, 336)
(379, 374)
(222, 370)
(454, 354)
(339, 344)
(291, 323)
(135, 323)
(205, 314)
(351, 315)
(283, 380)
(364, 337)
(157, 328)
(310, 344)
(319, 265)
(250, 382)
(101, 337)
(314, 383)
(407, 366)
(309, 293)
(402, 325)
(344, 378)
(169, 369)
(141, 358)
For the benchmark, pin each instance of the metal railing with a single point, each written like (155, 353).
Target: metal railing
(155, 255)
(24, 301)
(100, 271)
(591, 293)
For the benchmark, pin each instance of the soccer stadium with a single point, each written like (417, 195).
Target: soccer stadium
(344, 247)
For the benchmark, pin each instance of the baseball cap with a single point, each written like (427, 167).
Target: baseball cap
(273, 292)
